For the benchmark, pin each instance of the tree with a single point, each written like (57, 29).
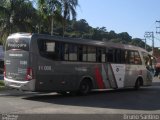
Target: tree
(81, 26)
(5, 19)
(15, 16)
(63, 11)
(68, 11)
(48, 11)
(24, 16)
(112, 35)
(125, 37)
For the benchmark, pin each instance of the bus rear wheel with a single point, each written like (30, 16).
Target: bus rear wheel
(85, 87)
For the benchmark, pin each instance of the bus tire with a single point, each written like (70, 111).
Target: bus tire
(85, 87)
(137, 84)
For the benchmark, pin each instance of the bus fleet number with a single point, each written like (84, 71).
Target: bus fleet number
(45, 68)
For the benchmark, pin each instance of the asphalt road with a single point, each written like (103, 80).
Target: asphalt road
(126, 101)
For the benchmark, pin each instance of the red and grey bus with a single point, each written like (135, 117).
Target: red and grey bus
(37, 62)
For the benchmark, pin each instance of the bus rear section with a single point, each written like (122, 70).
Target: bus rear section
(17, 70)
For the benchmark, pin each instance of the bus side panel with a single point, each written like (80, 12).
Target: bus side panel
(66, 76)
(55, 76)
(118, 71)
(33, 65)
(102, 75)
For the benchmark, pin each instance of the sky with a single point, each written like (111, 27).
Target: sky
(133, 16)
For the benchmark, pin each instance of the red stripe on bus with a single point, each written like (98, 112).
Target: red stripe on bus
(99, 79)
(114, 77)
(107, 75)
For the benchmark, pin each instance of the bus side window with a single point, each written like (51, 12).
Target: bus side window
(61, 53)
(72, 52)
(84, 51)
(123, 60)
(148, 62)
(99, 54)
(110, 55)
(103, 55)
(91, 54)
(117, 55)
(131, 57)
(80, 53)
(137, 58)
(66, 52)
(146, 59)
(127, 56)
(48, 49)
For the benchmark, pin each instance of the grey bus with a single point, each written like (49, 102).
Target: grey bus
(42, 63)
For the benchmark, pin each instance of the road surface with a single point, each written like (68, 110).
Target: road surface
(145, 100)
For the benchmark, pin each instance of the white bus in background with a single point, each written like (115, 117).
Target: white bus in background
(36, 62)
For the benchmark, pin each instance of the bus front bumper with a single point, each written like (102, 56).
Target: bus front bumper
(21, 85)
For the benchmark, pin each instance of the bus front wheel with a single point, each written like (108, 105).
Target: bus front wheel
(85, 87)
(137, 84)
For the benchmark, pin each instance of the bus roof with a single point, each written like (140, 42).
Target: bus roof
(21, 34)
(77, 41)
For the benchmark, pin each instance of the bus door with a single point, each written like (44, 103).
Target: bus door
(130, 75)
(149, 71)
(133, 68)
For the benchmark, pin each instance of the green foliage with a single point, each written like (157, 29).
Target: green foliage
(22, 16)
(81, 29)
(1, 83)
(58, 10)
(2, 87)
(16, 16)
(80, 26)
(140, 43)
